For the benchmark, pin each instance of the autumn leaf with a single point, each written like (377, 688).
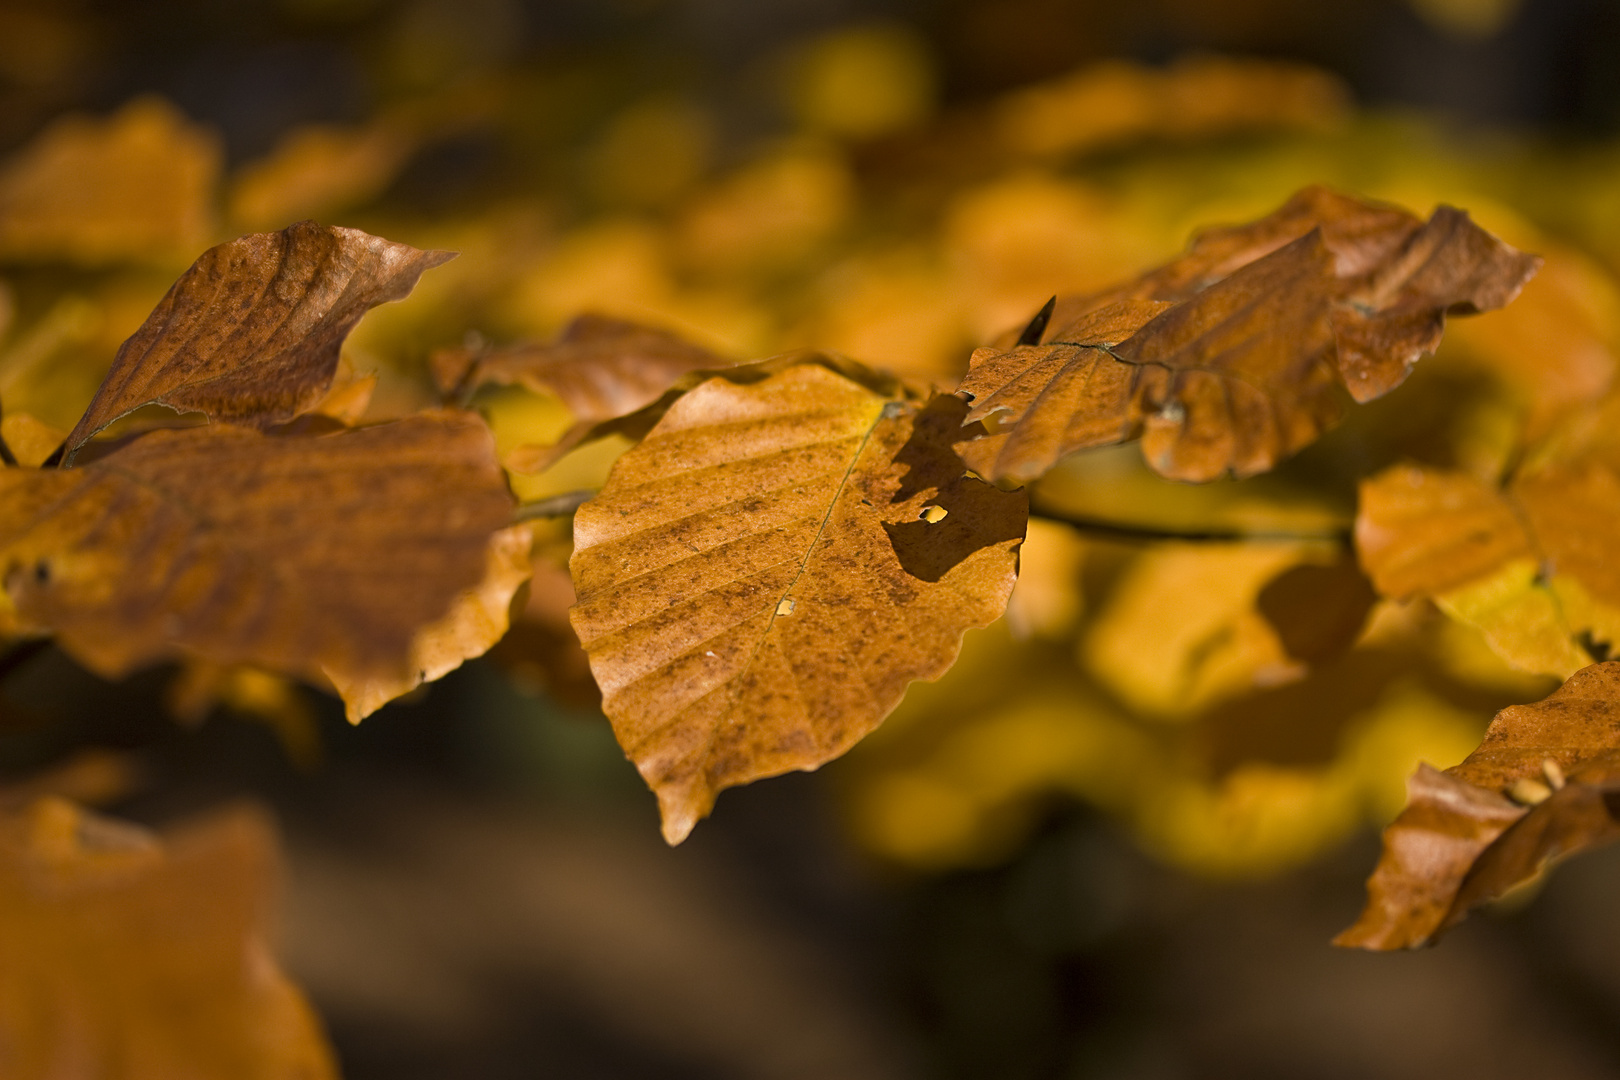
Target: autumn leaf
(252, 332)
(136, 185)
(765, 573)
(1541, 785)
(123, 954)
(1239, 353)
(372, 558)
(1114, 102)
(1528, 561)
(599, 367)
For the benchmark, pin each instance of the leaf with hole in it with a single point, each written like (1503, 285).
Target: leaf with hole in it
(363, 557)
(1545, 782)
(766, 572)
(252, 332)
(1237, 354)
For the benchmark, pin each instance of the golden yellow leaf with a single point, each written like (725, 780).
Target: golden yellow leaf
(319, 170)
(757, 583)
(1198, 96)
(136, 186)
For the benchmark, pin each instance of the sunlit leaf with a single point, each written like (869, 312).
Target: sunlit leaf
(251, 333)
(1237, 354)
(761, 577)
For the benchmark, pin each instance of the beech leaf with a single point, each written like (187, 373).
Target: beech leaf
(1528, 563)
(366, 557)
(1545, 782)
(766, 572)
(251, 333)
(1238, 354)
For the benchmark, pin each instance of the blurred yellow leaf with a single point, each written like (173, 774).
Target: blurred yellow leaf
(863, 81)
(316, 171)
(1180, 628)
(137, 186)
(1199, 96)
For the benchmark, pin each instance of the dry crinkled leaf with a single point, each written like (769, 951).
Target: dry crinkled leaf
(340, 556)
(1238, 353)
(765, 573)
(252, 332)
(123, 955)
(138, 185)
(1542, 784)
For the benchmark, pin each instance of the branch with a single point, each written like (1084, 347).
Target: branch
(563, 505)
(554, 507)
(1118, 530)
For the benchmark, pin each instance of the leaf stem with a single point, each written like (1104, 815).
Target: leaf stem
(554, 507)
(1119, 530)
(563, 505)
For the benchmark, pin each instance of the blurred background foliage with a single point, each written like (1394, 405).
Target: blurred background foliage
(1032, 868)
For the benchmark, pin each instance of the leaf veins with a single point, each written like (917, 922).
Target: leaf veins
(762, 576)
(1237, 354)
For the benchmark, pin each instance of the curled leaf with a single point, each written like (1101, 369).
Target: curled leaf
(758, 582)
(1237, 354)
(252, 332)
(1544, 782)
(326, 557)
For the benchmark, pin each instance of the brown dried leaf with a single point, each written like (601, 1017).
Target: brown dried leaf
(599, 367)
(145, 959)
(1545, 782)
(763, 575)
(1238, 353)
(252, 332)
(355, 557)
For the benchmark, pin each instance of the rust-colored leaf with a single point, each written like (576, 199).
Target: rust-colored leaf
(126, 955)
(1238, 354)
(251, 333)
(1545, 782)
(358, 557)
(763, 576)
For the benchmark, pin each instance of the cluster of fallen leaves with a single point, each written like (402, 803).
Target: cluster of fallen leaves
(1238, 668)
